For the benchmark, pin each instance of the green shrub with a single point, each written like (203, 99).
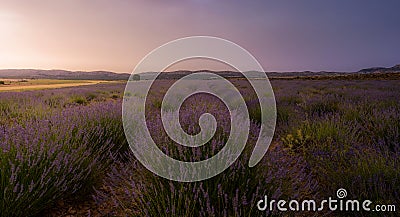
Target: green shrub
(79, 100)
(296, 142)
(135, 78)
(91, 96)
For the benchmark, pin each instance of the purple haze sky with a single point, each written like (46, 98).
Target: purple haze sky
(339, 35)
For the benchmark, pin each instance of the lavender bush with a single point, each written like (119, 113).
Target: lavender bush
(330, 134)
(349, 137)
(53, 153)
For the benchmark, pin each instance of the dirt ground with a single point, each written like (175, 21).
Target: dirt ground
(21, 85)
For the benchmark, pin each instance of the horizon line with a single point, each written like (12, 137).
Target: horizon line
(190, 70)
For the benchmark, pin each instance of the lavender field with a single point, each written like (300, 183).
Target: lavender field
(64, 153)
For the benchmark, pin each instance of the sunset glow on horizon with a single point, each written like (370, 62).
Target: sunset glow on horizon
(115, 35)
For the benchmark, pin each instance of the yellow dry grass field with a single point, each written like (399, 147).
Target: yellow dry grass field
(37, 84)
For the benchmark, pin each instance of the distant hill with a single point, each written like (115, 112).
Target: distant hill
(395, 68)
(375, 72)
(62, 74)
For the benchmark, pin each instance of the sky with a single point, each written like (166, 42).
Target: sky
(329, 35)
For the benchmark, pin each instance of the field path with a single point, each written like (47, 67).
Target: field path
(46, 86)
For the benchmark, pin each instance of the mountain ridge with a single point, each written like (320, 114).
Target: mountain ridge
(62, 74)
(395, 68)
(108, 75)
